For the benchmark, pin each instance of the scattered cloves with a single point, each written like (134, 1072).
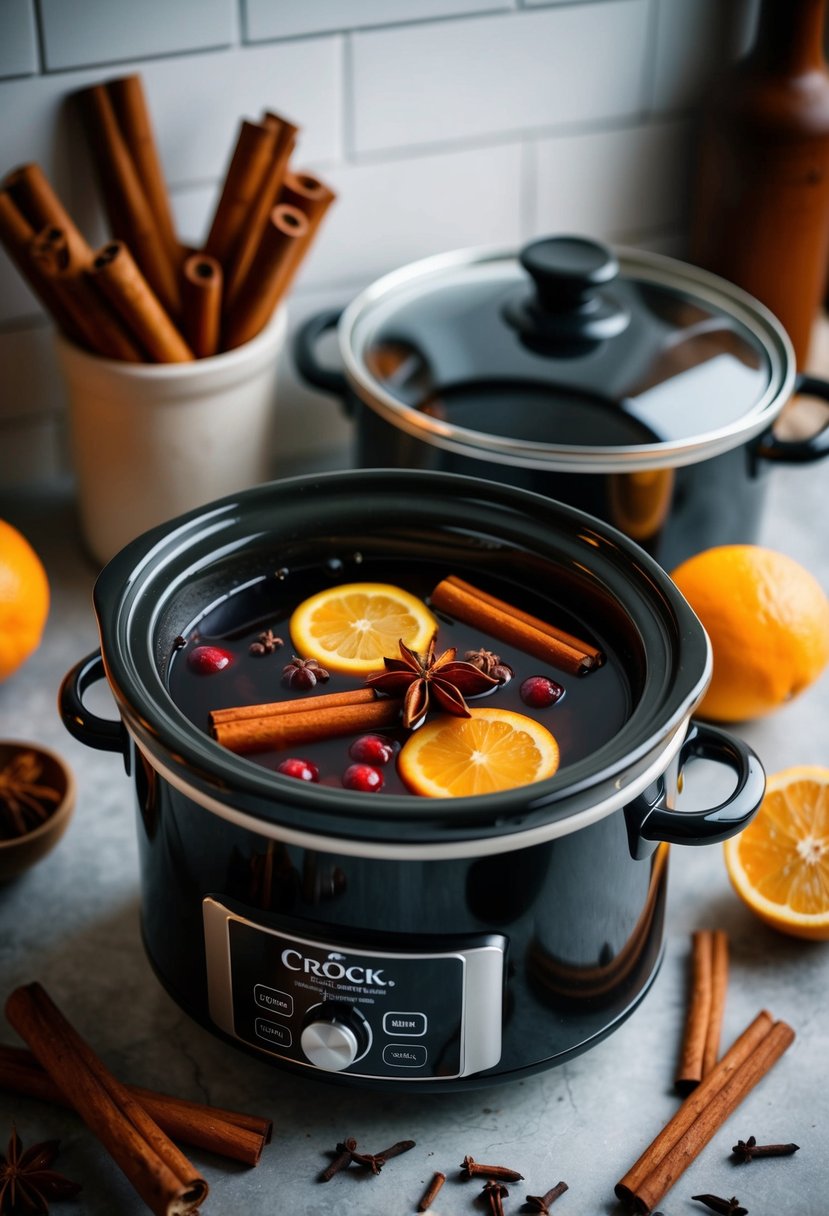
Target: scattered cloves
(746, 1150)
(376, 1161)
(495, 1193)
(342, 1161)
(473, 1168)
(725, 1207)
(431, 1191)
(543, 1203)
(266, 643)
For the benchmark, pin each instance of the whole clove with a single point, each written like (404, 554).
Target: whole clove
(376, 1161)
(725, 1207)
(746, 1150)
(543, 1203)
(473, 1169)
(431, 1191)
(342, 1160)
(495, 1193)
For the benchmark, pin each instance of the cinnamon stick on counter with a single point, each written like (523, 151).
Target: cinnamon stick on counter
(201, 299)
(160, 1173)
(232, 1134)
(703, 1112)
(262, 289)
(244, 181)
(130, 215)
(132, 113)
(504, 621)
(307, 723)
(115, 273)
(703, 1022)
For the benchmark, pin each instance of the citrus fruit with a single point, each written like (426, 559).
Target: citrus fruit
(768, 621)
(779, 864)
(493, 749)
(24, 599)
(352, 627)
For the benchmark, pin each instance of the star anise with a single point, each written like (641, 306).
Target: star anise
(266, 643)
(491, 663)
(27, 1184)
(418, 677)
(21, 798)
(304, 673)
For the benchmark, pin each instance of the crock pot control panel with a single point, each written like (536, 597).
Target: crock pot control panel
(388, 1010)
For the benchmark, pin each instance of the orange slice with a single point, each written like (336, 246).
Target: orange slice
(779, 864)
(351, 628)
(493, 749)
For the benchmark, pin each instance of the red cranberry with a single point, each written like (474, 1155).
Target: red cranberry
(539, 692)
(304, 770)
(207, 659)
(364, 778)
(372, 749)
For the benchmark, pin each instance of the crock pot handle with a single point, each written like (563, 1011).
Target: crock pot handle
(305, 342)
(799, 451)
(731, 816)
(107, 735)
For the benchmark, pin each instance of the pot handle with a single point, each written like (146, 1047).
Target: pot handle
(799, 451)
(104, 734)
(305, 342)
(654, 821)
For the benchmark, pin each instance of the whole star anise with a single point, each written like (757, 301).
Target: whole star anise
(304, 673)
(22, 800)
(418, 677)
(266, 643)
(27, 1184)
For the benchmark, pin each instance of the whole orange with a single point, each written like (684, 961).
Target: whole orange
(24, 599)
(768, 621)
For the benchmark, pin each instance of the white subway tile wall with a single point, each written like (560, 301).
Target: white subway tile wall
(440, 123)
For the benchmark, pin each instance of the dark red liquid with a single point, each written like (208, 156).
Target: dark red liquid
(592, 710)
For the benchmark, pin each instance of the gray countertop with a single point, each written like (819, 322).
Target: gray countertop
(72, 923)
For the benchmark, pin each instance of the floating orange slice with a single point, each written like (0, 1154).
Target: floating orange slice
(351, 628)
(493, 749)
(779, 864)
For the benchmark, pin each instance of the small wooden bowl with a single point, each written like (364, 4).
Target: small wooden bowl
(18, 853)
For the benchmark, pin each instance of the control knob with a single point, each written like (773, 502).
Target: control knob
(334, 1036)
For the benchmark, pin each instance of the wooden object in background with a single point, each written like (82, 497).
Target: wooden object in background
(761, 206)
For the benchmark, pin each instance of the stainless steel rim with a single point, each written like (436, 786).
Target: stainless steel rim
(479, 445)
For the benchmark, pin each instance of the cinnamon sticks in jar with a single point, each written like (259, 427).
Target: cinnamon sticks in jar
(158, 301)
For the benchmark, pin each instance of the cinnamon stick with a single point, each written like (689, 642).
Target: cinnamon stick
(116, 274)
(703, 1112)
(201, 299)
(232, 1134)
(132, 113)
(312, 197)
(39, 203)
(16, 235)
(264, 286)
(690, 1071)
(160, 1173)
(130, 215)
(326, 700)
(307, 725)
(93, 323)
(719, 985)
(244, 180)
(509, 624)
(256, 222)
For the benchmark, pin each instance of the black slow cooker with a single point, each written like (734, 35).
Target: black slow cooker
(401, 941)
(631, 385)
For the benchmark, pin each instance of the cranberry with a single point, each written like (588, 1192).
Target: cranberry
(207, 659)
(372, 749)
(539, 692)
(303, 770)
(363, 777)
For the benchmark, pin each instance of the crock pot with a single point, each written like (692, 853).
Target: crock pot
(628, 384)
(397, 941)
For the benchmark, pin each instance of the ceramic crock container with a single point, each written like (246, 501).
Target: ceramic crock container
(389, 940)
(630, 385)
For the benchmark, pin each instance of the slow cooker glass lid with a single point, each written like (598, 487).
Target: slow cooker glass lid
(479, 346)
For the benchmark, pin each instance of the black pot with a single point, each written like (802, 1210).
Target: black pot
(392, 940)
(635, 387)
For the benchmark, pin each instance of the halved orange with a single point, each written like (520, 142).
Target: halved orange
(779, 864)
(352, 627)
(493, 749)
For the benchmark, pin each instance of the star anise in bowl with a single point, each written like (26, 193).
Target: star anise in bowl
(420, 677)
(37, 797)
(27, 1183)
